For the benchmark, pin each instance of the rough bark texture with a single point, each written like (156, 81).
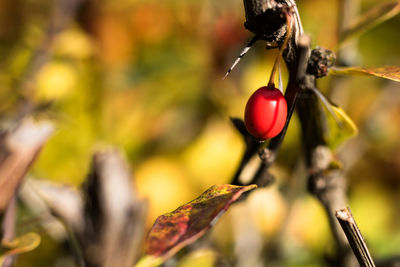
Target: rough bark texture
(263, 19)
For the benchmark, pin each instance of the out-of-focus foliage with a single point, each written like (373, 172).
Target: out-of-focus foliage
(146, 76)
(389, 72)
(368, 19)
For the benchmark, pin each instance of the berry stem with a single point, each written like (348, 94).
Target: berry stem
(271, 83)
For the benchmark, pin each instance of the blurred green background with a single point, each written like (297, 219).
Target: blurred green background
(146, 76)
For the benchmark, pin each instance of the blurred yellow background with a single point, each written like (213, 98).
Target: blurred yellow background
(146, 77)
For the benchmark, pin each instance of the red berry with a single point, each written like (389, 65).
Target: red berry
(266, 112)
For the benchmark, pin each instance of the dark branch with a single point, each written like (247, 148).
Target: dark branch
(326, 180)
(355, 238)
(260, 13)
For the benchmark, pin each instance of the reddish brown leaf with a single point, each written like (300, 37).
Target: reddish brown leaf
(176, 229)
(389, 72)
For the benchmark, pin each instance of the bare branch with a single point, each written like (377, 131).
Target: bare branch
(273, 12)
(355, 238)
(8, 231)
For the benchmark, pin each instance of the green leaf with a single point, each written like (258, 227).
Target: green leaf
(389, 72)
(341, 127)
(370, 19)
(174, 230)
(22, 244)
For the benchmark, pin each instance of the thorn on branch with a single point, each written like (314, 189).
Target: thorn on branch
(244, 52)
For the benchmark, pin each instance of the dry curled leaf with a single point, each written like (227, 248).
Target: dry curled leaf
(389, 72)
(22, 244)
(176, 229)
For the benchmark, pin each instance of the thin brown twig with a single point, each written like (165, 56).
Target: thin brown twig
(355, 237)
(8, 228)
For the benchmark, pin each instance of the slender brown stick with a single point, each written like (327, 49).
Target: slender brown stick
(355, 238)
(271, 81)
(8, 228)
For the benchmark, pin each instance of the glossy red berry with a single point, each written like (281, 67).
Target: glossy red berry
(265, 113)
